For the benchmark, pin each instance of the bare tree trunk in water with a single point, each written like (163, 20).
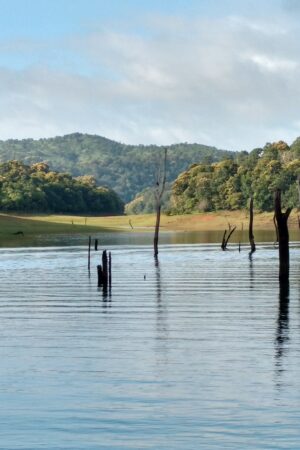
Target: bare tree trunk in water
(226, 240)
(251, 236)
(276, 229)
(283, 237)
(158, 193)
(156, 233)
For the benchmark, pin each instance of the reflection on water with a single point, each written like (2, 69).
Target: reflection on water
(282, 332)
(105, 294)
(161, 318)
(191, 351)
(251, 271)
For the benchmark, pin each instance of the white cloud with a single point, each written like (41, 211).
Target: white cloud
(272, 64)
(228, 82)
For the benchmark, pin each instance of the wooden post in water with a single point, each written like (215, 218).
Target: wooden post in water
(283, 237)
(89, 254)
(276, 229)
(109, 270)
(96, 244)
(104, 268)
(100, 275)
(251, 236)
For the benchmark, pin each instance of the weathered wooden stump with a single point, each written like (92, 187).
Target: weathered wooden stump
(100, 275)
(104, 271)
(283, 237)
(89, 254)
(251, 235)
(105, 267)
(109, 270)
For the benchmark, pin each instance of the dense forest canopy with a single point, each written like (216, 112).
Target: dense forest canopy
(38, 189)
(215, 179)
(126, 169)
(228, 184)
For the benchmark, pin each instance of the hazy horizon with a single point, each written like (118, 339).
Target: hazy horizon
(137, 144)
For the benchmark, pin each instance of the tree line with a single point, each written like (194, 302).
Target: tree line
(230, 183)
(36, 188)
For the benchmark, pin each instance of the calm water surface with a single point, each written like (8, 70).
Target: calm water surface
(202, 354)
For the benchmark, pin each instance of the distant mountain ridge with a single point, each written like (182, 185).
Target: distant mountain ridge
(127, 169)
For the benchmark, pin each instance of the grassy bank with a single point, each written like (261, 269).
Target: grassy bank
(60, 224)
(34, 225)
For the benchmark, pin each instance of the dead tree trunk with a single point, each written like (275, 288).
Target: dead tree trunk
(105, 267)
(283, 237)
(223, 247)
(276, 229)
(156, 232)
(100, 275)
(89, 255)
(251, 236)
(109, 270)
(158, 193)
(226, 240)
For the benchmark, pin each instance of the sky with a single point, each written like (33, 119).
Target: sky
(216, 72)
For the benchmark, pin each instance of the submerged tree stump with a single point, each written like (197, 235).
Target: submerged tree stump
(109, 270)
(276, 229)
(225, 239)
(283, 237)
(251, 235)
(100, 275)
(104, 271)
(89, 254)
(105, 268)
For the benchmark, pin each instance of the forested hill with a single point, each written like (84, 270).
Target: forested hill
(228, 184)
(126, 169)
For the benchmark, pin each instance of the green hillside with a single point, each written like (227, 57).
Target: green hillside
(228, 184)
(126, 169)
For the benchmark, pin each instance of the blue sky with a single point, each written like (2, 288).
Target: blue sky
(218, 72)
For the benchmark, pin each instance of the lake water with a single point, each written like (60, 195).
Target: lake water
(202, 354)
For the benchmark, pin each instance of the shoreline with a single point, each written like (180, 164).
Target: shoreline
(37, 224)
